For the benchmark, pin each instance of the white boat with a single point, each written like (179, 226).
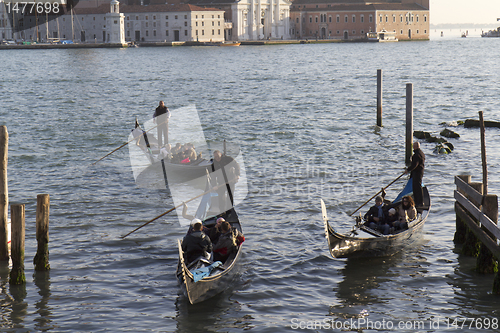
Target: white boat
(382, 36)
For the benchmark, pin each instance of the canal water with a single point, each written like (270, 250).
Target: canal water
(304, 117)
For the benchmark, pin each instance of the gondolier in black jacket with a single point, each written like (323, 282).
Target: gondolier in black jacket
(160, 117)
(416, 170)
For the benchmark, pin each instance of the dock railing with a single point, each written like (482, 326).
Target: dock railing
(476, 226)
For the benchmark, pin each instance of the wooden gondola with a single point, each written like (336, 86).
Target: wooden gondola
(220, 277)
(374, 244)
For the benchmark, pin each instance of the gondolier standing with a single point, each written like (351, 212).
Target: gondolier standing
(161, 117)
(416, 169)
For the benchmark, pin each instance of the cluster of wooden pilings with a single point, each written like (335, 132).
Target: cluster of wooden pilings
(476, 226)
(17, 225)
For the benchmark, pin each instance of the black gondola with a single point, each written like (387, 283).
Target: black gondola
(374, 244)
(220, 278)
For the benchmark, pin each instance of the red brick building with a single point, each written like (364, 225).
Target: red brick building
(353, 19)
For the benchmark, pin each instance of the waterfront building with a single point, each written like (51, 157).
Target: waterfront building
(353, 19)
(5, 26)
(154, 23)
(253, 19)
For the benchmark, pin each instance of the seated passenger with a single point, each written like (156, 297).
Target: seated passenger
(407, 212)
(176, 149)
(196, 244)
(190, 152)
(376, 217)
(392, 219)
(228, 242)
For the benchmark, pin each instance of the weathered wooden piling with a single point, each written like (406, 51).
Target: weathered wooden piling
(472, 244)
(41, 260)
(461, 228)
(4, 194)
(17, 245)
(379, 97)
(409, 123)
(486, 263)
(483, 154)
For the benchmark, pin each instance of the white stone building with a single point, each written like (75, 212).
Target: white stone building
(261, 19)
(154, 23)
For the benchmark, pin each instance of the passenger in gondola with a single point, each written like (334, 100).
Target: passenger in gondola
(392, 219)
(406, 212)
(215, 231)
(229, 240)
(166, 152)
(376, 218)
(190, 152)
(177, 148)
(196, 244)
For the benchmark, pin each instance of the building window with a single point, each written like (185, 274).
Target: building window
(417, 18)
(425, 18)
(338, 19)
(202, 24)
(345, 19)
(128, 34)
(185, 17)
(354, 32)
(418, 31)
(196, 32)
(166, 17)
(166, 33)
(203, 32)
(401, 32)
(386, 18)
(154, 33)
(147, 33)
(316, 19)
(146, 24)
(297, 20)
(154, 17)
(218, 32)
(137, 18)
(213, 32)
(196, 23)
(330, 19)
(353, 19)
(401, 18)
(185, 24)
(370, 19)
(175, 17)
(338, 32)
(154, 24)
(127, 18)
(310, 19)
(394, 19)
(202, 16)
(185, 32)
(218, 16)
(213, 23)
(166, 24)
(147, 18)
(380, 18)
(362, 32)
(218, 23)
(196, 16)
(362, 18)
(425, 31)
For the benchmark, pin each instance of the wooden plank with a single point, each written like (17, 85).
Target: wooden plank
(480, 234)
(490, 225)
(474, 211)
(470, 191)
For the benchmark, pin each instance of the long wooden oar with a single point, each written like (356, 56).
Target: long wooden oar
(172, 209)
(126, 143)
(378, 193)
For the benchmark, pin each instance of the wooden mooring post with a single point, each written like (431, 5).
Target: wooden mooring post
(17, 245)
(41, 260)
(478, 214)
(409, 123)
(379, 97)
(4, 194)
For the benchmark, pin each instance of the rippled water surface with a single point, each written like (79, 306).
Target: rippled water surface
(304, 116)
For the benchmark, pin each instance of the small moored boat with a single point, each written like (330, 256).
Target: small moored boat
(374, 243)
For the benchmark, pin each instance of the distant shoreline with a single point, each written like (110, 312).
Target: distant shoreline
(484, 26)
